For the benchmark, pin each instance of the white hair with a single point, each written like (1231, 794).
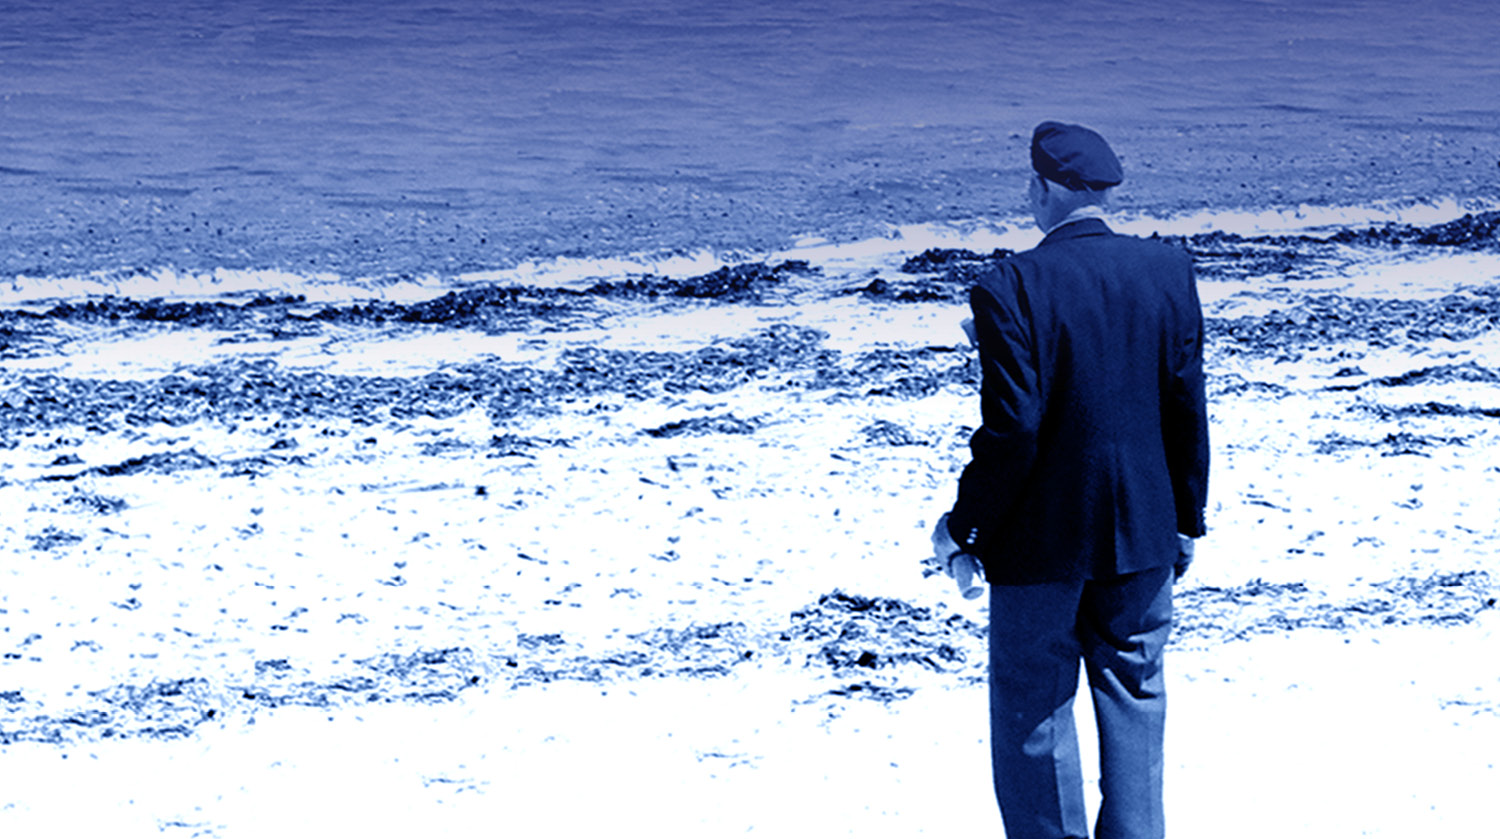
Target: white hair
(1075, 198)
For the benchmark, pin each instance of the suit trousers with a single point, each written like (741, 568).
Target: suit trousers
(1119, 628)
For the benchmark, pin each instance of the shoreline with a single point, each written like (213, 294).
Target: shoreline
(1395, 222)
(206, 225)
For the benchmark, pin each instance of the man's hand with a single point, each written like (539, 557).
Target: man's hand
(948, 558)
(943, 545)
(1184, 557)
(968, 327)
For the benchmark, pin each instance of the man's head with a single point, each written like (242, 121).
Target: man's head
(1074, 168)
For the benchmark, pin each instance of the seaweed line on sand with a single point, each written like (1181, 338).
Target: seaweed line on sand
(489, 308)
(865, 646)
(1210, 614)
(1423, 409)
(780, 357)
(841, 636)
(1326, 320)
(1220, 255)
(1391, 445)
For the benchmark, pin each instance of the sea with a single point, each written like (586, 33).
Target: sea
(189, 147)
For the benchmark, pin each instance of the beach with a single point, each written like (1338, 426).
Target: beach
(456, 564)
(529, 420)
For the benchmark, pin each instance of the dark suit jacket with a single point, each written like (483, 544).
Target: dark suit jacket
(1093, 454)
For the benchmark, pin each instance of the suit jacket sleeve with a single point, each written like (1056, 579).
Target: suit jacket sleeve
(1185, 421)
(1004, 447)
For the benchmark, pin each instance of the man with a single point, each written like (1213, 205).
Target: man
(1085, 490)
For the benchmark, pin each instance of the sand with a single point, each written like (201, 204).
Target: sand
(343, 578)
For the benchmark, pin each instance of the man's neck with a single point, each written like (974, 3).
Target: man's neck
(1079, 214)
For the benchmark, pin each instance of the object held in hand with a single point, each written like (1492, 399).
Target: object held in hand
(963, 568)
(968, 327)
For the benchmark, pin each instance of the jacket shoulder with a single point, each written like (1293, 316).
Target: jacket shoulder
(1002, 279)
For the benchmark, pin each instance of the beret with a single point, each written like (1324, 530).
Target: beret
(1074, 156)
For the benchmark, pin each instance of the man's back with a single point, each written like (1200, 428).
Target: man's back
(1092, 439)
(1092, 458)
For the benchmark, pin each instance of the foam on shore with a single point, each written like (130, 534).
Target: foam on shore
(842, 258)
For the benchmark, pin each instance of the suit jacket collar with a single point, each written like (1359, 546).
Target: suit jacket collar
(1076, 230)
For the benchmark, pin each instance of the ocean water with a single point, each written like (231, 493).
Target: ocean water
(386, 140)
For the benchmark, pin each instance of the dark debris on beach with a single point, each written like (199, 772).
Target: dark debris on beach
(946, 274)
(1326, 320)
(748, 282)
(1220, 256)
(942, 275)
(173, 708)
(862, 644)
(865, 647)
(1424, 409)
(1392, 444)
(781, 356)
(1208, 615)
(1468, 371)
(934, 260)
(721, 424)
(1470, 232)
(483, 307)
